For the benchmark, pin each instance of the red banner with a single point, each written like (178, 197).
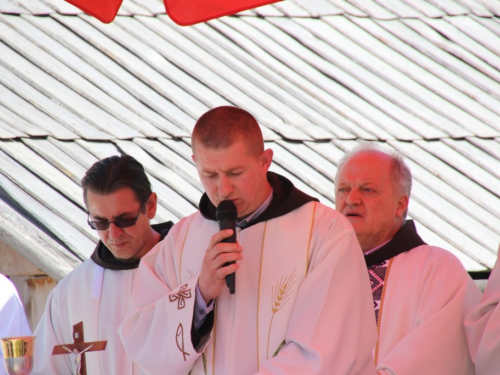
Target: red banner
(182, 12)
(187, 13)
(104, 10)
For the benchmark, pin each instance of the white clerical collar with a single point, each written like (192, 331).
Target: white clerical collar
(376, 248)
(257, 212)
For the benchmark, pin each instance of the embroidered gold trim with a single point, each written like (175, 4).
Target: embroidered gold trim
(310, 237)
(179, 338)
(182, 251)
(258, 296)
(382, 300)
(279, 297)
(214, 337)
(99, 313)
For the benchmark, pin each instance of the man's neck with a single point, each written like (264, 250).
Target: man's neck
(241, 222)
(153, 239)
(372, 250)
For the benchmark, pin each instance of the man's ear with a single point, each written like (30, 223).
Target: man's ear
(192, 157)
(266, 158)
(151, 205)
(402, 205)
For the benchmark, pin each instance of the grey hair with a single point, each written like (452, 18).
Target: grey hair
(401, 173)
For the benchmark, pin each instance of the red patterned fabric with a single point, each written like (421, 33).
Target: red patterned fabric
(378, 273)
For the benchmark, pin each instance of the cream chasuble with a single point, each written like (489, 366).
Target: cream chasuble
(97, 293)
(427, 294)
(98, 298)
(281, 264)
(483, 328)
(302, 293)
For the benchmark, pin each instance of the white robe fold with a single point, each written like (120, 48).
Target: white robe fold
(13, 320)
(483, 328)
(427, 295)
(316, 300)
(97, 297)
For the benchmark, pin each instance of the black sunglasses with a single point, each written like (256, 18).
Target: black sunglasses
(120, 223)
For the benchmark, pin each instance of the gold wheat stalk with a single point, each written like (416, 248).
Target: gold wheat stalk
(279, 297)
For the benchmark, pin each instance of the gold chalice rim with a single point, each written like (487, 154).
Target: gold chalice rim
(17, 338)
(18, 346)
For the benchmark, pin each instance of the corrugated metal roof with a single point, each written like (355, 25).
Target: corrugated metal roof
(422, 77)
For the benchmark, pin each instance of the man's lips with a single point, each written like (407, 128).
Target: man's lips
(352, 214)
(120, 244)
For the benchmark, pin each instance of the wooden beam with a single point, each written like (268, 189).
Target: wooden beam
(33, 244)
(14, 264)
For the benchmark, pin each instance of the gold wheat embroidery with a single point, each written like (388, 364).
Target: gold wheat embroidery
(280, 295)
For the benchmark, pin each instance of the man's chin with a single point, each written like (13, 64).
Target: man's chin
(125, 258)
(121, 254)
(354, 219)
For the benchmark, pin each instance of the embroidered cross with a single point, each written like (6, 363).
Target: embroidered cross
(79, 347)
(179, 338)
(181, 296)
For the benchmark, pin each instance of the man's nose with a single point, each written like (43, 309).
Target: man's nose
(225, 187)
(353, 198)
(113, 231)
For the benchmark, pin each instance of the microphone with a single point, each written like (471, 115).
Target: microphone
(226, 215)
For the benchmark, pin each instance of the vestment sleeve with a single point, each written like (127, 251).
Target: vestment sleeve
(13, 320)
(156, 331)
(332, 326)
(12, 317)
(48, 334)
(440, 294)
(483, 328)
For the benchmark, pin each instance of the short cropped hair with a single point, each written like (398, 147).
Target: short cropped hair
(116, 172)
(221, 127)
(401, 174)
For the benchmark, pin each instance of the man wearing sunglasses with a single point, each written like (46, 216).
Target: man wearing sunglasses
(120, 205)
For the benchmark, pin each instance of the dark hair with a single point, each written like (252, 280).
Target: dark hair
(221, 127)
(116, 172)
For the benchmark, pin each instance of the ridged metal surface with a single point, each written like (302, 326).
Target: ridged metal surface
(421, 77)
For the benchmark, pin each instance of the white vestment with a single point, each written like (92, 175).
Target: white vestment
(97, 297)
(427, 295)
(13, 320)
(483, 328)
(302, 303)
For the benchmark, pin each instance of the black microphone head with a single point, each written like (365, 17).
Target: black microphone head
(226, 210)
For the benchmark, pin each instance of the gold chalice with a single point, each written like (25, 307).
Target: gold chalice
(18, 354)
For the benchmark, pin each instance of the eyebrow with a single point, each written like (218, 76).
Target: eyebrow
(207, 171)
